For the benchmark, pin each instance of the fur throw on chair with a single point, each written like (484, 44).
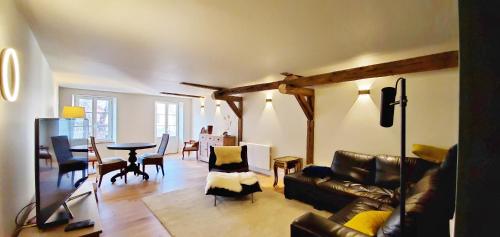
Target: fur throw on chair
(230, 181)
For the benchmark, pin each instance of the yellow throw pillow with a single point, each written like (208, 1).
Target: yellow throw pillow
(430, 153)
(368, 222)
(227, 155)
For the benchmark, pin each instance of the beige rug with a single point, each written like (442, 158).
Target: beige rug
(189, 212)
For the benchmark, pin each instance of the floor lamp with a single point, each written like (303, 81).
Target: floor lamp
(386, 120)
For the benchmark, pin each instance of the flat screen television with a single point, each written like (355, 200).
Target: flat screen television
(61, 165)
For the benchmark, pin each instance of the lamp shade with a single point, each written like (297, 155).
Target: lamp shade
(73, 112)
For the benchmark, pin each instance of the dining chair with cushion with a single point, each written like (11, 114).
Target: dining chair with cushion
(155, 158)
(66, 162)
(45, 155)
(107, 165)
(190, 146)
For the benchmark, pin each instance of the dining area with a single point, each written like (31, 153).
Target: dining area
(125, 165)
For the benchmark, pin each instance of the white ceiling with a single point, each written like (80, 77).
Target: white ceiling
(150, 46)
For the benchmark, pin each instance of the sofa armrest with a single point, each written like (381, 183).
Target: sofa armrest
(312, 225)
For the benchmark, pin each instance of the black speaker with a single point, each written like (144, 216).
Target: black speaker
(387, 106)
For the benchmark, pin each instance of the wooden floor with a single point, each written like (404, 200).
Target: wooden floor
(120, 206)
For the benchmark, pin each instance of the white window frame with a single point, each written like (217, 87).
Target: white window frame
(166, 103)
(111, 114)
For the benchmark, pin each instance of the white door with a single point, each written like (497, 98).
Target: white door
(167, 120)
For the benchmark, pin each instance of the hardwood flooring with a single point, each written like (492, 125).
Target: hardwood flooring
(120, 206)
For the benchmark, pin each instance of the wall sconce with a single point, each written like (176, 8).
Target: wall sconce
(363, 92)
(217, 103)
(202, 106)
(9, 74)
(269, 100)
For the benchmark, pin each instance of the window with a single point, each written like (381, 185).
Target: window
(100, 111)
(165, 119)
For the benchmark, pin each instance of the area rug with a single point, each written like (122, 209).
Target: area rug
(189, 212)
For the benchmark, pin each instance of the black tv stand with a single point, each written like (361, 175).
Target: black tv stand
(63, 217)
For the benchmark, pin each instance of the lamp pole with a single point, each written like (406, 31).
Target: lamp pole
(403, 100)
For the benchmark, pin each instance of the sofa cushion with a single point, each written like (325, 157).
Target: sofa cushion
(387, 170)
(368, 222)
(300, 177)
(354, 190)
(357, 206)
(317, 171)
(354, 167)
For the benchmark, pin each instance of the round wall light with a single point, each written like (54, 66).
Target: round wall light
(9, 74)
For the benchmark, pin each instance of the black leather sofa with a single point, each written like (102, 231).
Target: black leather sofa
(430, 205)
(353, 175)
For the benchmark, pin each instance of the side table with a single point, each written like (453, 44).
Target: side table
(287, 163)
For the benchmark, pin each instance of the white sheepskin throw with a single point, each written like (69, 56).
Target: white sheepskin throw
(230, 181)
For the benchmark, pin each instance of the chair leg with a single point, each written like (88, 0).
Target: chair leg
(125, 174)
(59, 180)
(215, 200)
(183, 154)
(143, 167)
(100, 180)
(72, 177)
(162, 172)
(156, 168)
(252, 197)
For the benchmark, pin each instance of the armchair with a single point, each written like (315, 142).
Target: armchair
(190, 146)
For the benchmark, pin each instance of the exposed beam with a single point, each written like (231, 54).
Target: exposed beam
(202, 86)
(227, 97)
(292, 90)
(419, 64)
(251, 88)
(411, 65)
(234, 108)
(306, 108)
(183, 95)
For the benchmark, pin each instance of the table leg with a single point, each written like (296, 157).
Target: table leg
(275, 175)
(132, 167)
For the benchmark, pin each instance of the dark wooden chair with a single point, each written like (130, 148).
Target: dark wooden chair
(45, 155)
(155, 158)
(190, 146)
(107, 165)
(66, 162)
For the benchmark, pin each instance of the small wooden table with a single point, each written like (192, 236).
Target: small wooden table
(287, 163)
(132, 167)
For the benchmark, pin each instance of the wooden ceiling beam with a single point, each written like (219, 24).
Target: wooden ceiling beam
(202, 86)
(292, 90)
(411, 65)
(252, 88)
(227, 97)
(182, 95)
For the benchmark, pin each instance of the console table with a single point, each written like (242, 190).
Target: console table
(207, 140)
(83, 208)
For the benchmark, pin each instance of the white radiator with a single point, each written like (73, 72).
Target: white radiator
(259, 157)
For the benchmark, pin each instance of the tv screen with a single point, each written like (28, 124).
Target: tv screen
(61, 163)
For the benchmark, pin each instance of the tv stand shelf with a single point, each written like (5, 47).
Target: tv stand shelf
(83, 208)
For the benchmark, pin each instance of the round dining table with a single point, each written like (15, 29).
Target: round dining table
(132, 157)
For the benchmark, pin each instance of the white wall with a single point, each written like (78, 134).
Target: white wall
(344, 120)
(347, 121)
(135, 116)
(36, 99)
(213, 115)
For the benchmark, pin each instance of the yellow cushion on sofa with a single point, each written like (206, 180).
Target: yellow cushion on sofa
(227, 155)
(430, 153)
(368, 222)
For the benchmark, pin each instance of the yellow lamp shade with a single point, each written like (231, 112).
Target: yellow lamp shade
(73, 112)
